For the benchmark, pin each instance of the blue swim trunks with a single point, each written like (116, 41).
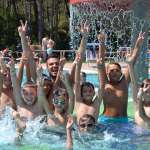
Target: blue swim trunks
(105, 119)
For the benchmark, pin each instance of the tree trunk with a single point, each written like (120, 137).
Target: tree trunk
(39, 4)
(15, 10)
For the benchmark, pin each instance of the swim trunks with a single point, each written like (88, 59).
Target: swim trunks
(107, 119)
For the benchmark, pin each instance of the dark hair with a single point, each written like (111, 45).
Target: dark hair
(45, 77)
(115, 63)
(87, 116)
(145, 81)
(53, 55)
(86, 84)
(83, 74)
(29, 83)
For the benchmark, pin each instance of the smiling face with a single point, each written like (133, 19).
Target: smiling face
(29, 94)
(86, 123)
(60, 97)
(52, 66)
(114, 73)
(87, 92)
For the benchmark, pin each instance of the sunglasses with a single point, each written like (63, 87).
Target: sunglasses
(84, 125)
(58, 102)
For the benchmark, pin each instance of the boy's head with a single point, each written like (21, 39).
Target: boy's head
(48, 85)
(60, 99)
(87, 92)
(53, 64)
(86, 123)
(114, 73)
(29, 93)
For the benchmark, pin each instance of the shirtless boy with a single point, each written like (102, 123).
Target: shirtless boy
(87, 102)
(115, 94)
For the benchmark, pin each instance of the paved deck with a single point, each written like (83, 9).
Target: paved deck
(86, 67)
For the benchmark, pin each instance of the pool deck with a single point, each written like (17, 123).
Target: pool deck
(88, 67)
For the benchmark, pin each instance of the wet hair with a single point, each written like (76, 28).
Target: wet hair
(87, 116)
(57, 93)
(29, 84)
(145, 81)
(115, 63)
(88, 84)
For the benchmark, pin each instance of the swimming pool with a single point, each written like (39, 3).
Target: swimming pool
(108, 137)
(111, 137)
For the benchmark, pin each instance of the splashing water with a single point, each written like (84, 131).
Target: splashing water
(121, 21)
(40, 137)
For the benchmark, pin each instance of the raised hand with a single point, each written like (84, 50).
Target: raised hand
(44, 41)
(23, 28)
(85, 29)
(140, 39)
(39, 69)
(78, 58)
(62, 59)
(129, 58)
(69, 122)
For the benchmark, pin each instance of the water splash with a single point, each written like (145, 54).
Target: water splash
(7, 127)
(121, 26)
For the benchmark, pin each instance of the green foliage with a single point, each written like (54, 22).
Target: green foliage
(9, 22)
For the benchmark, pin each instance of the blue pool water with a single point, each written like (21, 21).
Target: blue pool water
(39, 137)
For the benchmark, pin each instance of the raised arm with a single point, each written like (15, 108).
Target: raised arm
(16, 86)
(101, 76)
(77, 86)
(82, 48)
(44, 47)
(134, 86)
(26, 48)
(69, 140)
(41, 94)
(101, 63)
(135, 53)
(65, 79)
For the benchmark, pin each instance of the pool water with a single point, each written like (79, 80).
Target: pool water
(107, 137)
(111, 137)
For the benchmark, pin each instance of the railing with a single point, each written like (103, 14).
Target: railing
(119, 56)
